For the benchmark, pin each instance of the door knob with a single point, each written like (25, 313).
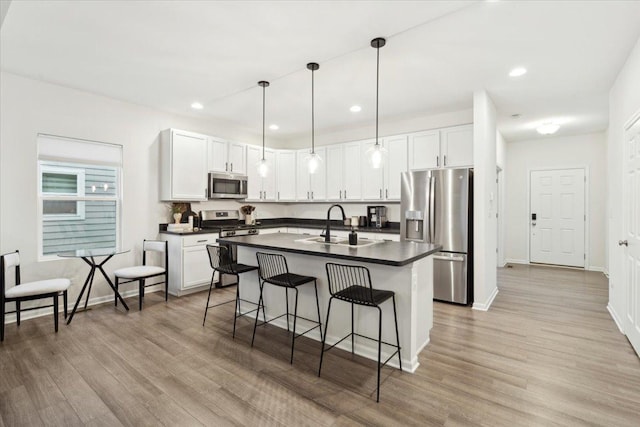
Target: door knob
(623, 243)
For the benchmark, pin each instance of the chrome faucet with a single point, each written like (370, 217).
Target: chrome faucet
(327, 236)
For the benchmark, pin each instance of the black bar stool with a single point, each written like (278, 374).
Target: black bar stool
(352, 284)
(273, 269)
(220, 260)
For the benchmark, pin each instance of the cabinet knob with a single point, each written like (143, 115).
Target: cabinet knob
(386, 193)
(226, 166)
(444, 161)
(312, 195)
(307, 195)
(437, 160)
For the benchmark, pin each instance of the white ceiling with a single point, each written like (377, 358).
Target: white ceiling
(168, 54)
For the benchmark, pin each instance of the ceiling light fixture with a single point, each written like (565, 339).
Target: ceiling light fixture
(376, 153)
(355, 109)
(263, 167)
(313, 159)
(274, 127)
(197, 106)
(548, 128)
(517, 72)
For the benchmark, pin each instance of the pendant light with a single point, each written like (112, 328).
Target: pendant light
(313, 159)
(263, 168)
(377, 153)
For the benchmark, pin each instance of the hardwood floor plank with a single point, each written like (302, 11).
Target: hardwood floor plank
(17, 409)
(61, 414)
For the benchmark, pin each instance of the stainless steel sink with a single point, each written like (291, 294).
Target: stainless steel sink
(340, 241)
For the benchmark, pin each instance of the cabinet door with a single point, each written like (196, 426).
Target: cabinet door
(395, 164)
(217, 155)
(195, 266)
(372, 179)
(319, 179)
(457, 146)
(237, 157)
(424, 150)
(334, 172)
(352, 172)
(303, 179)
(188, 166)
(269, 183)
(286, 175)
(254, 181)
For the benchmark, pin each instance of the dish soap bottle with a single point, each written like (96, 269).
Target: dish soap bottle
(353, 238)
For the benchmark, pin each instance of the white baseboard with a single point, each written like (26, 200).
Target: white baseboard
(594, 268)
(47, 311)
(615, 318)
(516, 261)
(485, 306)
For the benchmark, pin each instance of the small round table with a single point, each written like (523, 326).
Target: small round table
(89, 255)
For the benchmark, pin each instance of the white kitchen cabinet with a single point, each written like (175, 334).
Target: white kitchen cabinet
(286, 175)
(226, 156)
(260, 189)
(442, 148)
(311, 186)
(334, 167)
(189, 267)
(352, 171)
(424, 150)
(372, 179)
(456, 146)
(183, 166)
(396, 163)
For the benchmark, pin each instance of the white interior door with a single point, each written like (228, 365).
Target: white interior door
(557, 217)
(631, 242)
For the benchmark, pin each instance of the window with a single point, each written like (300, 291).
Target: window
(79, 195)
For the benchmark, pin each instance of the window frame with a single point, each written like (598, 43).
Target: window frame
(51, 167)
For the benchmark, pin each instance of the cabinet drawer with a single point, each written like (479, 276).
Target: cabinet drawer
(199, 239)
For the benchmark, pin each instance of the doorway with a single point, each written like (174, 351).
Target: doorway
(557, 217)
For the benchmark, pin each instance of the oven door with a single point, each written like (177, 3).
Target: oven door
(227, 186)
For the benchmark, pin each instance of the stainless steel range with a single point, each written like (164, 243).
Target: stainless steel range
(228, 224)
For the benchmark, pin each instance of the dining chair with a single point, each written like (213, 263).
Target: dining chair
(140, 273)
(27, 291)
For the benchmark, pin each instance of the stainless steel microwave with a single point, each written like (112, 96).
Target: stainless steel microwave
(227, 186)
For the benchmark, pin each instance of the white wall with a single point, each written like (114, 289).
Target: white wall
(485, 207)
(501, 162)
(624, 101)
(587, 151)
(29, 107)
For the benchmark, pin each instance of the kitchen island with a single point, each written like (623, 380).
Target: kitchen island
(403, 267)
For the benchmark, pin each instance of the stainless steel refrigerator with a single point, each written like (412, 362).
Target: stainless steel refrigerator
(437, 207)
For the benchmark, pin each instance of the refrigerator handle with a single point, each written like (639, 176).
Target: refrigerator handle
(432, 208)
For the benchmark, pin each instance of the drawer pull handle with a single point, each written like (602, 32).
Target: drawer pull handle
(447, 258)
(202, 241)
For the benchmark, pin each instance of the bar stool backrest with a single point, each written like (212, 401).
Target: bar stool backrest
(272, 265)
(350, 283)
(220, 259)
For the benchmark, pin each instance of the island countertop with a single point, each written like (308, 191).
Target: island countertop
(385, 252)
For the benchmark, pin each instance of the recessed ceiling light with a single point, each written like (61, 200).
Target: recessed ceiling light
(517, 72)
(548, 128)
(355, 109)
(274, 127)
(197, 106)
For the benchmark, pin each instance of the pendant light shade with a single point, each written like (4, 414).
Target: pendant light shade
(377, 153)
(313, 160)
(263, 167)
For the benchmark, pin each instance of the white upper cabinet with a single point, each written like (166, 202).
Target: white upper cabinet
(372, 179)
(456, 144)
(261, 188)
(183, 166)
(286, 175)
(352, 171)
(334, 172)
(443, 148)
(311, 186)
(224, 156)
(424, 150)
(396, 163)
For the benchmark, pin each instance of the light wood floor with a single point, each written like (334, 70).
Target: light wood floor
(547, 353)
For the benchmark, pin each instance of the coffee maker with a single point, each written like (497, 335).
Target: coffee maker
(377, 216)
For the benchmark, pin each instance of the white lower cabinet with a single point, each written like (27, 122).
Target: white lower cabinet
(189, 268)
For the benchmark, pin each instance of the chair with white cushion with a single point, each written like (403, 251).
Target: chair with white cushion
(141, 273)
(51, 288)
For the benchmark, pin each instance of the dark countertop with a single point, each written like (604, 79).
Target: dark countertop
(389, 253)
(393, 228)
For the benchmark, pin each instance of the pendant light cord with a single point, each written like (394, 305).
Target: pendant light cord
(263, 96)
(313, 127)
(377, 88)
